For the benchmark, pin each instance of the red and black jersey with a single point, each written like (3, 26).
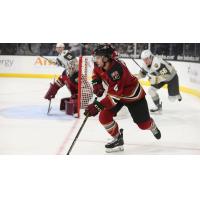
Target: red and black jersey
(70, 82)
(122, 85)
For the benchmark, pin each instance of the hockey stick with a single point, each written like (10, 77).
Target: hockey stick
(79, 131)
(139, 66)
(54, 62)
(77, 135)
(136, 62)
(51, 61)
(49, 107)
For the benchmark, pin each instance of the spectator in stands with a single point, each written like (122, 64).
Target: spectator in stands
(35, 48)
(53, 51)
(45, 48)
(23, 49)
(8, 48)
(130, 49)
(87, 49)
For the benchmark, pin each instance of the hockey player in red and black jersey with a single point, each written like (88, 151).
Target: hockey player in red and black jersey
(69, 77)
(123, 90)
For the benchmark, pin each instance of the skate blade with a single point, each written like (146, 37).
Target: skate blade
(116, 149)
(158, 112)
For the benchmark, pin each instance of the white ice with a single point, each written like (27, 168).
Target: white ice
(25, 128)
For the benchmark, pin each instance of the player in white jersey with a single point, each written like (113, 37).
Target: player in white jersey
(66, 59)
(160, 72)
(69, 77)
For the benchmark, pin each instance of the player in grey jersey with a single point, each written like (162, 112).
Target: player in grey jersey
(160, 72)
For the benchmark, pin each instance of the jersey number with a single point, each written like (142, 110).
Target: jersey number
(163, 70)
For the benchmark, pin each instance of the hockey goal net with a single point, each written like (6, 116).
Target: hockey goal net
(85, 91)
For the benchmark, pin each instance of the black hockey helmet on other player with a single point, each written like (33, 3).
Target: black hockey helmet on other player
(104, 50)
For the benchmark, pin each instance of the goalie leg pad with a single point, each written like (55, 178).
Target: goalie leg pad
(71, 106)
(63, 102)
(52, 91)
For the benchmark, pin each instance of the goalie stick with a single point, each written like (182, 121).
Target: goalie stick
(54, 62)
(51, 61)
(49, 107)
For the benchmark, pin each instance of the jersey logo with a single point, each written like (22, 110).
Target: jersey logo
(115, 75)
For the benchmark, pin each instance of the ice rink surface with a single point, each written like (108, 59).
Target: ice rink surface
(25, 127)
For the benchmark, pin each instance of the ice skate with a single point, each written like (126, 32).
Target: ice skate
(116, 144)
(158, 109)
(179, 97)
(157, 134)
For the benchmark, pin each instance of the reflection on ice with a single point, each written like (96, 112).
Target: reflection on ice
(33, 112)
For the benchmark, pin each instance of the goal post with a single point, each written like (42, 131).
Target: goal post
(85, 92)
(79, 84)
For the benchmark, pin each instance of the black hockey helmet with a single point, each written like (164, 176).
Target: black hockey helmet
(104, 50)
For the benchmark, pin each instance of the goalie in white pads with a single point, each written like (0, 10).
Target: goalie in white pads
(160, 72)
